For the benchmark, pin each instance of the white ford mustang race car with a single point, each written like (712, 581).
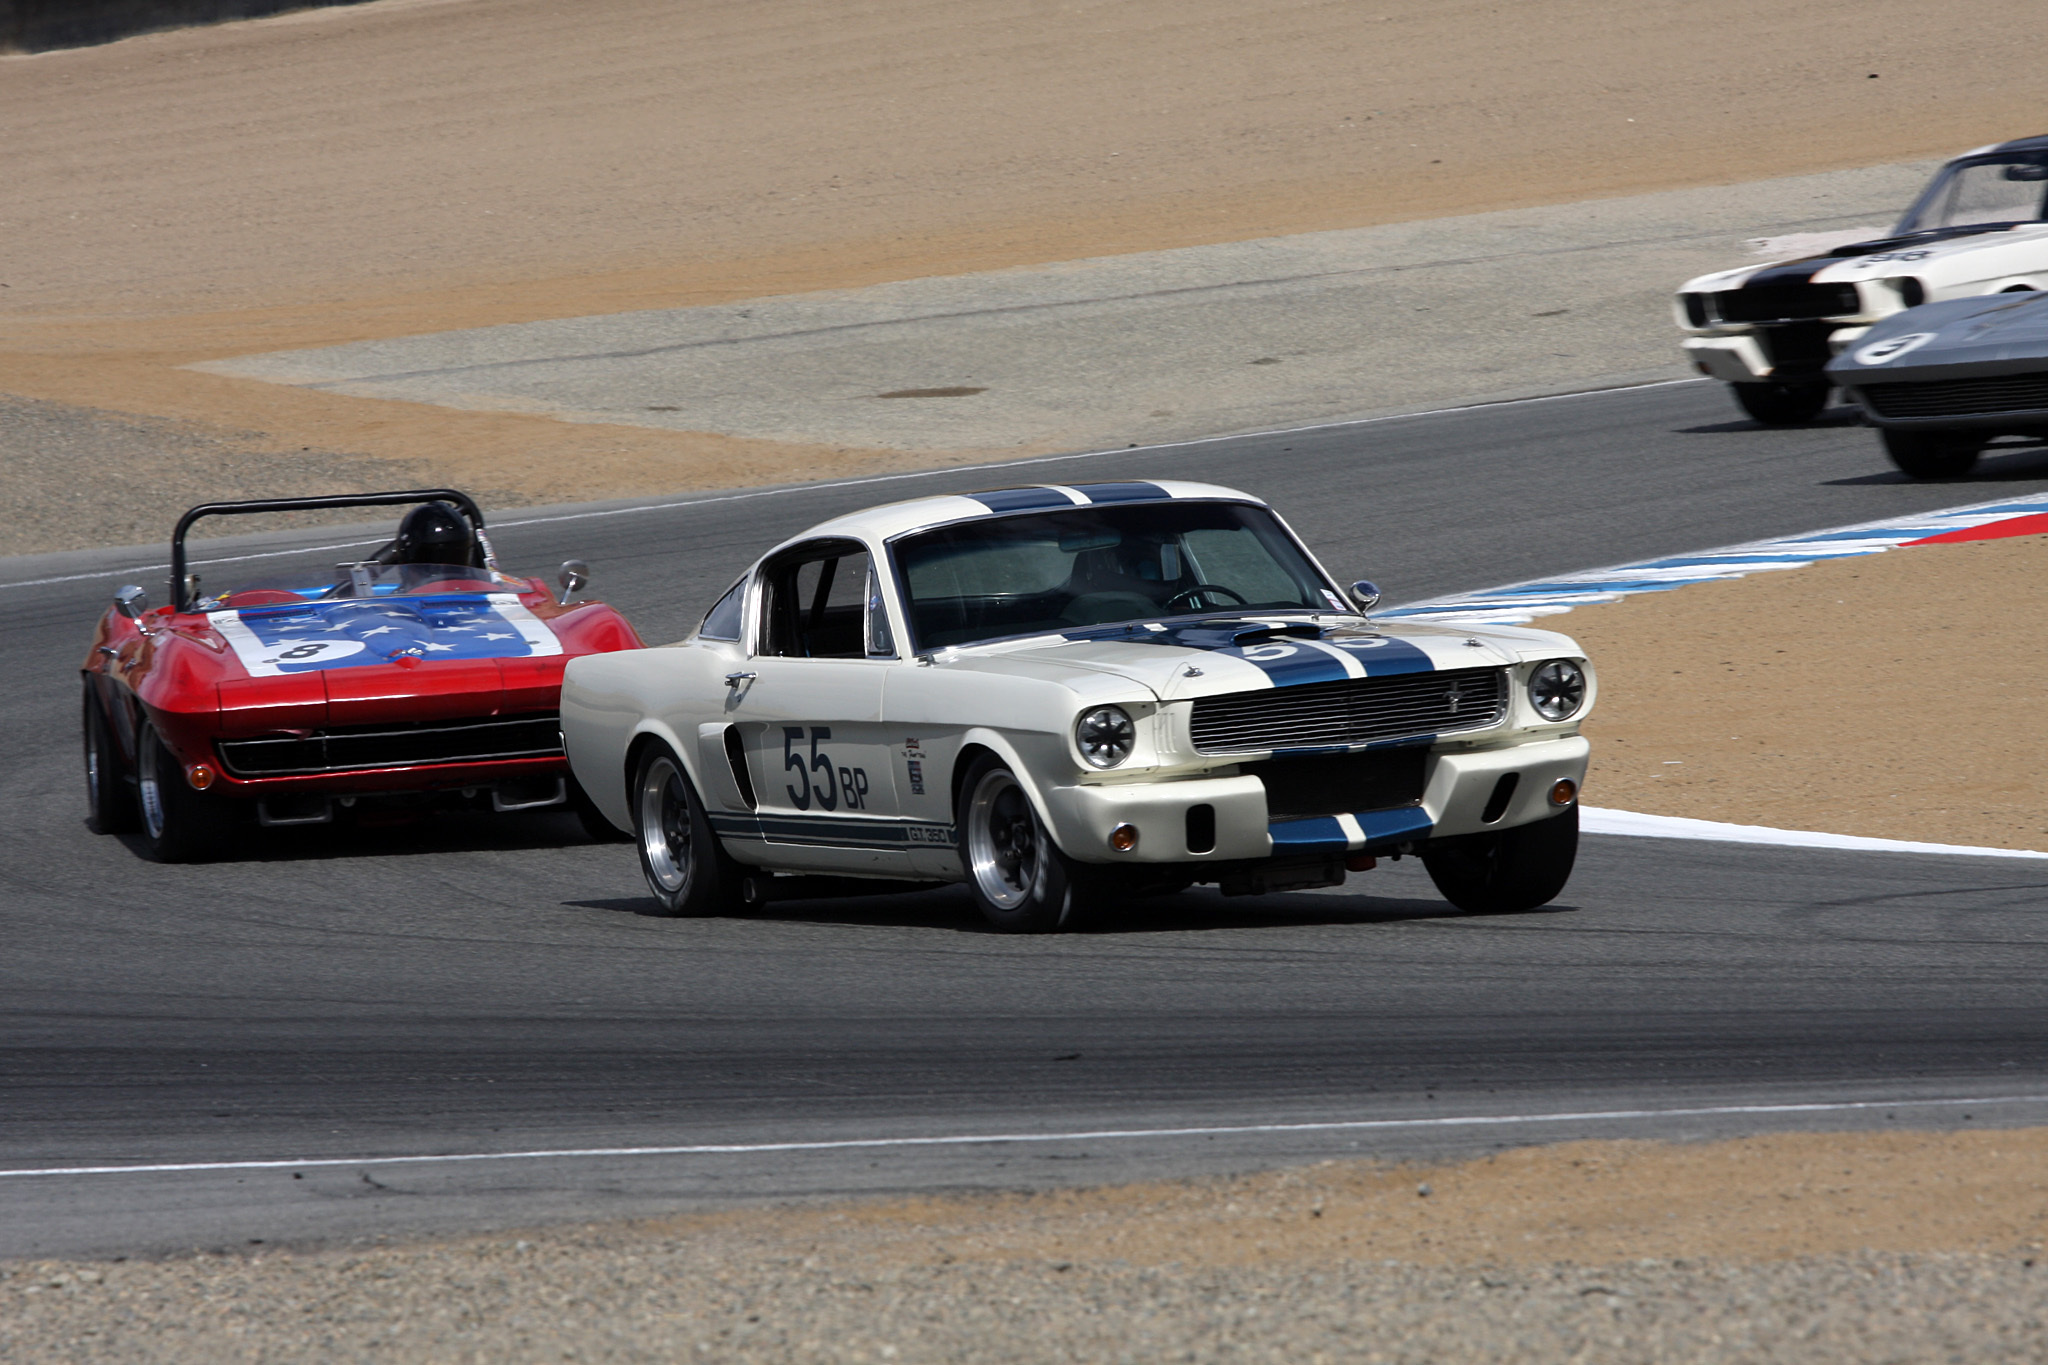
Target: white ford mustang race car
(1063, 694)
(1770, 329)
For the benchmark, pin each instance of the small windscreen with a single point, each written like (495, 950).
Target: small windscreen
(1045, 572)
(365, 580)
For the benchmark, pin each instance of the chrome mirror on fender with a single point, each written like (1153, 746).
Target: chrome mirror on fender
(131, 601)
(1366, 593)
(575, 573)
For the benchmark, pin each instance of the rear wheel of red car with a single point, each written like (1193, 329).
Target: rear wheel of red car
(592, 819)
(1022, 883)
(179, 825)
(109, 802)
(686, 868)
(1932, 454)
(1502, 871)
(1783, 405)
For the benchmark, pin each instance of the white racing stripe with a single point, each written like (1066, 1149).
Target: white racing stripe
(1593, 820)
(1082, 1135)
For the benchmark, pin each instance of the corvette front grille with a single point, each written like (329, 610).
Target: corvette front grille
(1354, 711)
(358, 747)
(1978, 396)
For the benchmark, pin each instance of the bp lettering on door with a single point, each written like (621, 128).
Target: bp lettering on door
(816, 782)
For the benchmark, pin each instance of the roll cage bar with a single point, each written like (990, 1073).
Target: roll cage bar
(181, 599)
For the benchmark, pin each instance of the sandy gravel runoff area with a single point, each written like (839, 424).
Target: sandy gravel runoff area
(419, 165)
(1857, 1249)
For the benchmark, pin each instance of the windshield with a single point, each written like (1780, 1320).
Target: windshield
(1044, 572)
(365, 580)
(1994, 191)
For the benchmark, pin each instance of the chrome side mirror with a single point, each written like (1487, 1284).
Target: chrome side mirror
(1366, 593)
(575, 573)
(131, 601)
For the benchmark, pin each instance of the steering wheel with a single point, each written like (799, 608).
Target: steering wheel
(1195, 593)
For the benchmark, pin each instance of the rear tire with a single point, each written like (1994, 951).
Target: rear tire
(1784, 405)
(109, 801)
(1503, 871)
(1932, 454)
(179, 825)
(688, 871)
(1022, 883)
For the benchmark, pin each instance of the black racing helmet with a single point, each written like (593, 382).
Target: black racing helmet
(434, 533)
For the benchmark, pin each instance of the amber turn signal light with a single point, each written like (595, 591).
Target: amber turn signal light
(1124, 838)
(200, 775)
(1563, 792)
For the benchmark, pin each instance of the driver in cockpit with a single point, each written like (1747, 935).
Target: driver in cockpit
(433, 533)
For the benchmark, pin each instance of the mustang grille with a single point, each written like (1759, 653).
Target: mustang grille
(1779, 302)
(1354, 711)
(353, 748)
(1960, 397)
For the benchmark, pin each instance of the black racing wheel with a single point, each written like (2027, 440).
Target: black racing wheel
(1932, 454)
(1784, 405)
(687, 869)
(1502, 871)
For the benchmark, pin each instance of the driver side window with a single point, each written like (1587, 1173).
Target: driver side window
(814, 602)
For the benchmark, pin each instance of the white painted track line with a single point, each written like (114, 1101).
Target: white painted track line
(1593, 820)
(1083, 1135)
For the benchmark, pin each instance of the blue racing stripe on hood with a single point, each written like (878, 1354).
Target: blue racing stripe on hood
(1120, 492)
(1289, 660)
(1021, 499)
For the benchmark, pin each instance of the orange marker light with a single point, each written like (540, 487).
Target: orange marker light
(200, 775)
(1564, 792)
(1124, 838)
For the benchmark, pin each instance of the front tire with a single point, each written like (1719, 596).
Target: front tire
(109, 804)
(1784, 405)
(179, 825)
(1022, 883)
(687, 869)
(1503, 871)
(1932, 454)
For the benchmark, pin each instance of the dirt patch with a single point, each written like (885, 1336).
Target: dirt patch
(421, 165)
(1857, 1247)
(1888, 695)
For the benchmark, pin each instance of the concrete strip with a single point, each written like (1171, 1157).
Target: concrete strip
(1593, 820)
(1139, 349)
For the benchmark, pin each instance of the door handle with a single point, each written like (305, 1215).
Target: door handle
(736, 680)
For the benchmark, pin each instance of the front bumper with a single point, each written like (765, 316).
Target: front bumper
(1457, 790)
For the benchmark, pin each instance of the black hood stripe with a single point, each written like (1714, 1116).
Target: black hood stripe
(1791, 272)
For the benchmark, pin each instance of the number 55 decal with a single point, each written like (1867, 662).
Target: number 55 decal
(850, 783)
(828, 795)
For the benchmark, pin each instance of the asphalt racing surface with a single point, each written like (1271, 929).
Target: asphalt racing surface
(491, 985)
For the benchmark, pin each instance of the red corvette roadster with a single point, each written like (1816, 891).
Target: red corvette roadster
(422, 675)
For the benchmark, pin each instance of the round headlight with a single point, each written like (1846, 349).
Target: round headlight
(1105, 736)
(1557, 689)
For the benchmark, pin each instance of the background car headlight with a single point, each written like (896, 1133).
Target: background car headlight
(1557, 689)
(1105, 736)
